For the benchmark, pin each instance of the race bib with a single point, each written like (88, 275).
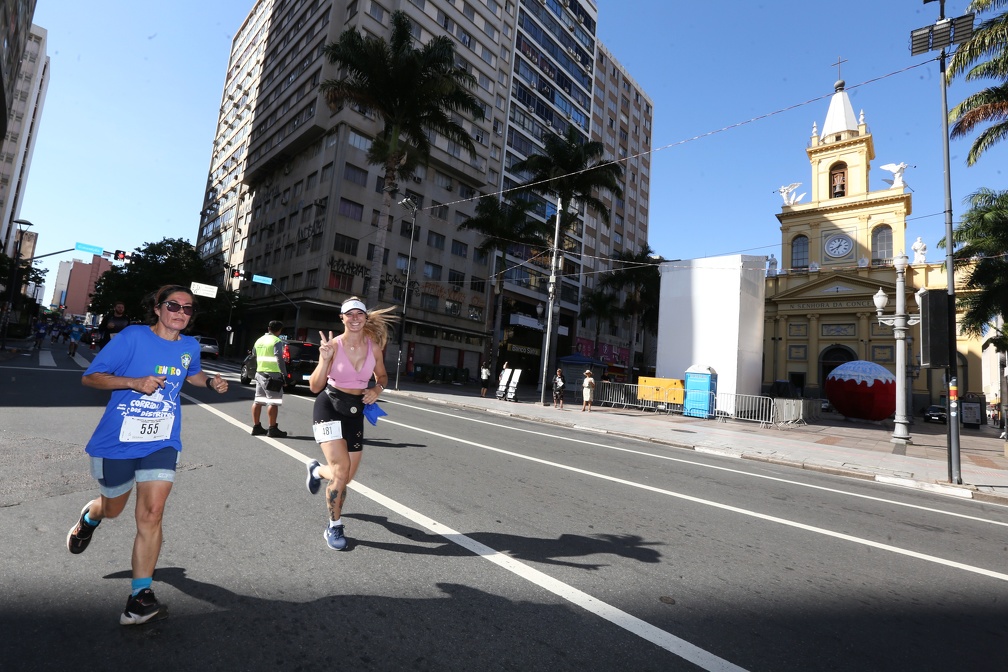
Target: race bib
(328, 431)
(146, 429)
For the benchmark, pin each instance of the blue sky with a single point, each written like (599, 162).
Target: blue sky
(124, 142)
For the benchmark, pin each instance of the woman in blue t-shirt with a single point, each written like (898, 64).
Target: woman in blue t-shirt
(138, 437)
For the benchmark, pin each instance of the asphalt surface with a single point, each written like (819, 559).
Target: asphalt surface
(830, 444)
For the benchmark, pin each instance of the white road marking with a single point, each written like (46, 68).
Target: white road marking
(718, 505)
(82, 361)
(675, 645)
(45, 358)
(715, 467)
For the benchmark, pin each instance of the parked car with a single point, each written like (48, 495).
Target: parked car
(300, 358)
(208, 347)
(935, 414)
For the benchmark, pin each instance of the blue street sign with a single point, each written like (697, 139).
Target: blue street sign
(90, 249)
(262, 279)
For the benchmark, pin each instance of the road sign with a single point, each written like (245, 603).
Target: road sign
(262, 279)
(90, 249)
(200, 289)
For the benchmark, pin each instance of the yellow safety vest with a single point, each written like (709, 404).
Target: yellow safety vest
(266, 360)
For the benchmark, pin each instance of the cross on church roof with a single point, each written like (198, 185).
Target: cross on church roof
(837, 64)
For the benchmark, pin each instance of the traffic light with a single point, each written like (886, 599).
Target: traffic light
(236, 273)
(120, 255)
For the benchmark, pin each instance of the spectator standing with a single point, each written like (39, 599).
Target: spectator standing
(559, 382)
(587, 391)
(271, 372)
(484, 379)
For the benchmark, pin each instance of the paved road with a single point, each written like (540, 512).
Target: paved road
(483, 540)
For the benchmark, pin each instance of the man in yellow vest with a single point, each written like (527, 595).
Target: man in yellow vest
(271, 372)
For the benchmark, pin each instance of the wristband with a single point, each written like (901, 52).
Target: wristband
(209, 383)
(381, 386)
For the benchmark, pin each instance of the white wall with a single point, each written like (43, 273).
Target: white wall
(711, 314)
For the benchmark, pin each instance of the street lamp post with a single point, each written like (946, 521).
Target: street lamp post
(13, 280)
(899, 322)
(551, 300)
(406, 203)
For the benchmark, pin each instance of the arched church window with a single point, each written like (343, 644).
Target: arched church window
(799, 252)
(838, 180)
(881, 245)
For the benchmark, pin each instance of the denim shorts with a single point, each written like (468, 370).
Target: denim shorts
(116, 477)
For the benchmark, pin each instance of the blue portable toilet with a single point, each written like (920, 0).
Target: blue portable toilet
(700, 389)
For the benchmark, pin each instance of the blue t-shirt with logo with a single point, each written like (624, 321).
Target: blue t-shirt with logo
(136, 425)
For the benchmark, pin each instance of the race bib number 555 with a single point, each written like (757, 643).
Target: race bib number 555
(146, 429)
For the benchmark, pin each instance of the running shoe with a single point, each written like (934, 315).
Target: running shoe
(140, 608)
(80, 534)
(334, 537)
(312, 482)
(258, 430)
(275, 432)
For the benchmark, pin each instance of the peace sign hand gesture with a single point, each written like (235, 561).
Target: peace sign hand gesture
(327, 346)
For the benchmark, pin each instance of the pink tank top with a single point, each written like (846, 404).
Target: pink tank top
(343, 374)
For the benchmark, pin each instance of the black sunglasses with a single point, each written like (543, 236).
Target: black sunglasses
(175, 306)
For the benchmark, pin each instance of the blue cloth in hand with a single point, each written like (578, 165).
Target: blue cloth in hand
(372, 412)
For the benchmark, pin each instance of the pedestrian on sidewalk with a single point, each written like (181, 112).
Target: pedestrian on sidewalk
(484, 379)
(587, 391)
(138, 438)
(558, 389)
(346, 365)
(271, 372)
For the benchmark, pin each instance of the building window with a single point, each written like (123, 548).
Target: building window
(456, 278)
(838, 180)
(345, 244)
(459, 249)
(477, 284)
(351, 210)
(881, 243)
(435, 240)
(431, 271)
(452, 307)
(404, 229)
(340, 281)
(799, 252)
(370, 254)
(428, 301)
(352, 173)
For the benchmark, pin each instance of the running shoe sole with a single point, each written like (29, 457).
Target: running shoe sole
(80, 523)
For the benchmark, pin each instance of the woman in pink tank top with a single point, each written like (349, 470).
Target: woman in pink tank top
(347, 364)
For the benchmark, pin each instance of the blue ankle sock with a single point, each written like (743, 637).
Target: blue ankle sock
(139, 584)
(92, 523)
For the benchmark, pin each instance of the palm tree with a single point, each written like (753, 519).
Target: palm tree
(981, 251)
(636, 274)
(503, 225)
(573, 169)
(415, 91)
(986, 109)
(599, 305)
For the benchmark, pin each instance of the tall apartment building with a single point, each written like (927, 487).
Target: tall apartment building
(25, 113)
(291, 196)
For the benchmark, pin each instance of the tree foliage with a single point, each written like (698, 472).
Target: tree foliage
(983, 57)
(416, 92)
(170, 261)
(981, 255)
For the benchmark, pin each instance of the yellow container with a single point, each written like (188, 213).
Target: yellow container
(668, 390)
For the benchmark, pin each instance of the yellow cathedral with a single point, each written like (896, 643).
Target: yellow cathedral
(837, 251)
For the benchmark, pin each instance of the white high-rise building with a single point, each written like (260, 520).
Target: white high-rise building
(291, 195)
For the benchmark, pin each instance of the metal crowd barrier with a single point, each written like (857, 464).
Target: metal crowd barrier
(722, 406)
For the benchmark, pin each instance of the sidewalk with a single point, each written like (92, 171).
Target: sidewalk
(832, 445)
